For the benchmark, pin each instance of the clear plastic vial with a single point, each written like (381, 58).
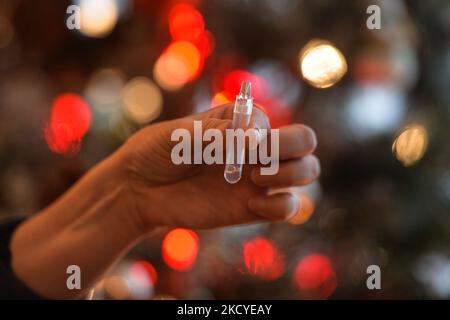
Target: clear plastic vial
(241, 119)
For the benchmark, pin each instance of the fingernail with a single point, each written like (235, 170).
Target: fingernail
(316, 167)
(295, 206)
(256, 204)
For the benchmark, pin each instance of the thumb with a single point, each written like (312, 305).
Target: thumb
(197, 128)
(217, 124)
(202, 125)
(200, 132)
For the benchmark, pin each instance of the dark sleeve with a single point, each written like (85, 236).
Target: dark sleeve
(10, 286)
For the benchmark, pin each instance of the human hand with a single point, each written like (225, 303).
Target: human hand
(197, 196)
(138, 188)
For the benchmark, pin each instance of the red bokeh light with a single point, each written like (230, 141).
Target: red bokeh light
(233, 80)
(180, 249)
(70, 119)
(205, 44)
(315, 277)
(183, 60)
(263, 259)
(143, 273)
(278, 112)
(186, 23)
(372, 69)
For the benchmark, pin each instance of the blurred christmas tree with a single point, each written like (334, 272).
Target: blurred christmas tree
(383, 130)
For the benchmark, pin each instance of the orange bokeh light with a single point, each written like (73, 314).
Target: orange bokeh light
(70, 119)
(219, 99)
(315, 277)
(180, 249)
(278, 112)
(183, 60)
(179, 64)
(262, 259)
(305, 210)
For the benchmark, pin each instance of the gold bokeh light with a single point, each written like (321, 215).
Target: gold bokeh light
(98, 17)
(142, 100)
(322, 65)
(410, 145)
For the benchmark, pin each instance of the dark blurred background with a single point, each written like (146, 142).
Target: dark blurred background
(378, 100)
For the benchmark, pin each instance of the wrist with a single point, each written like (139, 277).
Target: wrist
(119, 200)
(130, 210)
(91, 225)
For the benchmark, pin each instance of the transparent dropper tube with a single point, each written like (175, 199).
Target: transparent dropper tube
(241, 119)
